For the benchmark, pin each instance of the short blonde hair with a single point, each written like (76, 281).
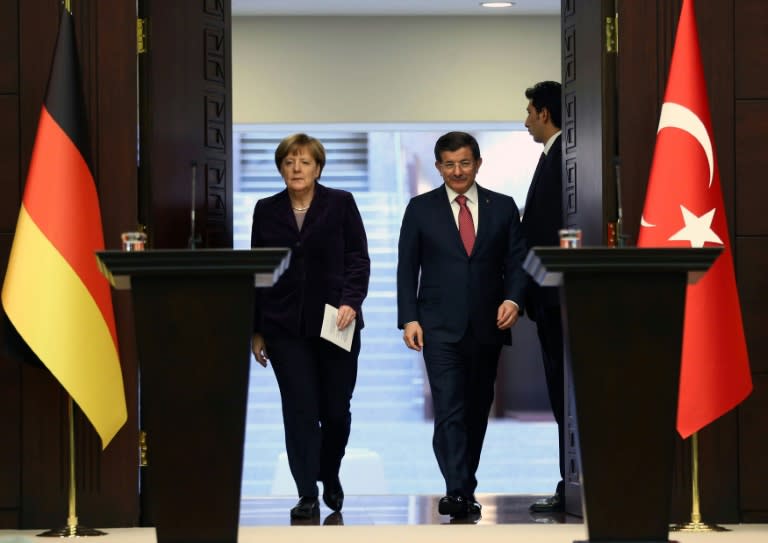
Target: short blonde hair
(291, 144)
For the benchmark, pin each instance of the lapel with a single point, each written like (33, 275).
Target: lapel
(315, 211)
(532, 187)
(445, 221)
(283, 213)
(448, 222)
(484, 212)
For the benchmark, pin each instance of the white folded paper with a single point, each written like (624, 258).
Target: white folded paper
(330, 332)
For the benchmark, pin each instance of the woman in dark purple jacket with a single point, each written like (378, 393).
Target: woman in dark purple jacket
(329, 265)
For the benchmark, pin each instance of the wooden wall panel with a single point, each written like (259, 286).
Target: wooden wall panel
(186, 118)
(751, 164)
(9, 162)
(38, 20)
(751, 249)
(9, 116)
(10, 385)
(751, 266)
(10, 423)
(9, 45)
(638, 103)
(754, 499)
(588, 79)
(111, 79)
(750, 45)
(715, 22)
(588, 151)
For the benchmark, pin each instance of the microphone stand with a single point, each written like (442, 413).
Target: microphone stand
(620, 237)
(194, 240)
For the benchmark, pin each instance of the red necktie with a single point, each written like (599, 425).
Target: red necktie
(466, 226)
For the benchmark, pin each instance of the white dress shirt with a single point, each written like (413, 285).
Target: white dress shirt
(471, 195)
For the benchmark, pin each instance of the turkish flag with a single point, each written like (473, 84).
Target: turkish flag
(684, 208)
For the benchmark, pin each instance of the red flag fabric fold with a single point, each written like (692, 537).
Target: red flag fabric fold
(53, 293)
(684, 207)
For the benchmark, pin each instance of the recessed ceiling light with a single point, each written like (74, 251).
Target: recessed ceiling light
(497, 4)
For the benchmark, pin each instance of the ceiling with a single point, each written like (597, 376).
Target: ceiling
(389, 7)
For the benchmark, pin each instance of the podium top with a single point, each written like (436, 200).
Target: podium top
(266, 264)
(547, 265)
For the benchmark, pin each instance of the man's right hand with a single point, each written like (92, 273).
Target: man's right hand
(413, 336)
(259, 349)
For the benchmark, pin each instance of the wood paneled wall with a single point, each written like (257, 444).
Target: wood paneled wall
(10, 374)
(34, 479)
(734, 38)
(750, 128)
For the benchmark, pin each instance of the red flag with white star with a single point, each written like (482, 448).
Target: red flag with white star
(684, 208)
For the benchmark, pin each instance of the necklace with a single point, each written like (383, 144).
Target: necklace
(300, 208)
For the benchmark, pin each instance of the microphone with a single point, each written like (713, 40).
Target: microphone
(193, 239)
(620, 237)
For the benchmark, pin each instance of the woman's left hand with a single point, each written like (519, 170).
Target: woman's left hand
(346, 315)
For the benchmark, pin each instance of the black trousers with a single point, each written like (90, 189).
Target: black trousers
(316, 380)
(549, 328)
(461, 378)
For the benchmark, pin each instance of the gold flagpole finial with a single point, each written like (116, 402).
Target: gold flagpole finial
(68, 5)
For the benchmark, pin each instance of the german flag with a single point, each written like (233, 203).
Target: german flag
(54, 294)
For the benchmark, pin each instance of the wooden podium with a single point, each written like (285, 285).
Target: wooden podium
(623, 312)
(194, 320)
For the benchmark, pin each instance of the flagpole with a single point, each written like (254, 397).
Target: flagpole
(72, 529)
(696, 525)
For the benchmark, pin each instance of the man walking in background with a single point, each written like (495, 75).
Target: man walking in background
(542, 218)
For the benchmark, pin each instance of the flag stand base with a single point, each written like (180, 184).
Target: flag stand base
(697, 527)
(72, 531)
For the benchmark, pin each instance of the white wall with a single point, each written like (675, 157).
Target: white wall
(389, 69)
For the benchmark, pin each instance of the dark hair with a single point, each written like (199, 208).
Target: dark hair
(453, 141)
(291, 144)
(547, 94)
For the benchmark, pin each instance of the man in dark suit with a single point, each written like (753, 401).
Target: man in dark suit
(460, 287)
(542, 218)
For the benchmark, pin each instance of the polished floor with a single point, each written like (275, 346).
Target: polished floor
(402, 510)
(406, 519)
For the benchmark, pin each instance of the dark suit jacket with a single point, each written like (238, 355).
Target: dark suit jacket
(329, 261)
(443, 288)
(543, 217)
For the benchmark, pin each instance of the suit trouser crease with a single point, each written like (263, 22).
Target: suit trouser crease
(461, 377)
(316, 381)
(549, 328)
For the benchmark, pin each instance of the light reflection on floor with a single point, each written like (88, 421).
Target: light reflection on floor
(416, 509)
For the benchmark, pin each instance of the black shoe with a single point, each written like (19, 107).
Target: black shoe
(333, 495)
(552, 504)
(473, 506)
(456, 506)
(334, 519)
(307, 507)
